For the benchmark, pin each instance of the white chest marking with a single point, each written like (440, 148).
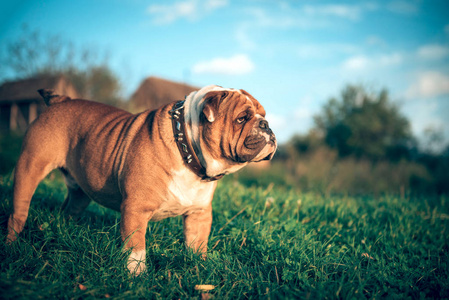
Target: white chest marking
(186, 194)
(191, 191)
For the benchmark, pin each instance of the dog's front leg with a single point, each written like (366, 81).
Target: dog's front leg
(197, 227)
(133, 226)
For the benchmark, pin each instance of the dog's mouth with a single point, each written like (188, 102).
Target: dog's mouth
(269, 156)
(254, 142)
(267, 152)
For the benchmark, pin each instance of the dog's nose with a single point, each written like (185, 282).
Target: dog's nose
(263, 124)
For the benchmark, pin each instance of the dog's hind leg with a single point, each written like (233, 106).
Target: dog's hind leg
(31, 168)
(76, 201)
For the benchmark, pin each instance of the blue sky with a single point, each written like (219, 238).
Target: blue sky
(291, 55)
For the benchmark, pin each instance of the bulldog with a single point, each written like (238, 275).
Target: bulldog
(148, 166)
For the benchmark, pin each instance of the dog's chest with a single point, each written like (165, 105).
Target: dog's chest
(186, 194)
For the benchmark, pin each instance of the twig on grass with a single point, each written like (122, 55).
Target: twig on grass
(230, 220)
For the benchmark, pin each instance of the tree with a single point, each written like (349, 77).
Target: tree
(365, 125)
(34, 55)
(98, 83)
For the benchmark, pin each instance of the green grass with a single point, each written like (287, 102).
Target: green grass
(266, 242)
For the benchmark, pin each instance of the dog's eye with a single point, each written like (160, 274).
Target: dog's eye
(241, 120)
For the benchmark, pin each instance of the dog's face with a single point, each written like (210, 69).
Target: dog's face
(245, 135)
(232, 128)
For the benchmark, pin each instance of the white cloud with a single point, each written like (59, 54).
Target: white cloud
(303, 117)
(334, 10)
(277, 122)
(165, 14)
(423, 115)
(243, 38)
(297, 119)
(214, 4)
(358, 62)
(235, 65)
(429, 84)
(262, 18)
(325, 50)
(374, 40)
(390, 59)
(304, 17)
(189, 9)
(403, 7)
(363, 62)
(433, 52)
(303, 109)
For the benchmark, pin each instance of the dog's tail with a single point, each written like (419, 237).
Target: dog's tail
(51, 98)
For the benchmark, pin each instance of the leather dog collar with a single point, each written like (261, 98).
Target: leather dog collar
(184, 145)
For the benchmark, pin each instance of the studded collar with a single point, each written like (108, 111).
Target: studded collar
(185, 146)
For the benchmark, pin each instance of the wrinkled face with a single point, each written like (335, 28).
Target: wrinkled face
(234, 126)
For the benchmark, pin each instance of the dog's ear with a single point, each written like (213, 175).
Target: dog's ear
(212, 101)
(50, 97)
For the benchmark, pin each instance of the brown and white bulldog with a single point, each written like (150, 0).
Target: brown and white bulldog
(149, 166)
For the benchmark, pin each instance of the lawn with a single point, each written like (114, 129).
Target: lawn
(267, 242)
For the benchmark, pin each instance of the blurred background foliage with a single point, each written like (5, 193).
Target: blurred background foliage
(360, 143)
(88, 69)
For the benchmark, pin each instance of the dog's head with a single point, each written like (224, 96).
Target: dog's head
(229, 129)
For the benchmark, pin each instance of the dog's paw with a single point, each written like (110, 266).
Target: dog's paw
(136, 267)
(136, 262)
